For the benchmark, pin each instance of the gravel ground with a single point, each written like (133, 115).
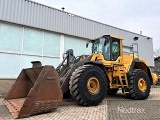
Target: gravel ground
(116, 107)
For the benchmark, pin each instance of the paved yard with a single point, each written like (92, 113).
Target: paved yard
(116, 107)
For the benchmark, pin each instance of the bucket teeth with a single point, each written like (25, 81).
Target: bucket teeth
(36, 90)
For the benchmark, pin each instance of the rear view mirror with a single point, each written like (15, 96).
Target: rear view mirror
(87, 45)
(106, 41)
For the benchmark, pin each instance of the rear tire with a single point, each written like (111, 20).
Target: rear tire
(88, 85)
(139, 85)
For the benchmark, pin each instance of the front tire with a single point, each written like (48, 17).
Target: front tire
(66, 95)
(88, 85)
(139, 85)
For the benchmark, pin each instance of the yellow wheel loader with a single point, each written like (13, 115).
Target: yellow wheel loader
(87, 78)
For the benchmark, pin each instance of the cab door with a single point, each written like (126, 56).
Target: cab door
(112, 49)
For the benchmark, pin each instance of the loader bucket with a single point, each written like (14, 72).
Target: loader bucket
(36, 90)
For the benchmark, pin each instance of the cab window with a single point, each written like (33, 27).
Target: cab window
(115, 52)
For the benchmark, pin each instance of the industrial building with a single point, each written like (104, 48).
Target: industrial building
(30, 31)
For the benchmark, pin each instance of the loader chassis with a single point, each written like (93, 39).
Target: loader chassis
(85, 84)
(87, 78)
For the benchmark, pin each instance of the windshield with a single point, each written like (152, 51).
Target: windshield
(98, 45)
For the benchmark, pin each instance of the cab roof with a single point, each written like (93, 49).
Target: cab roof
(113, 36)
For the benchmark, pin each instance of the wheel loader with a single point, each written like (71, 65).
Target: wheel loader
(86, 78)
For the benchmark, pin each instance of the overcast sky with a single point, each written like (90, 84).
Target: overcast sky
(132, 15)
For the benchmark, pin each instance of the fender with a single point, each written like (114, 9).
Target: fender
(65, 81)
(97, 63)
(137, 64)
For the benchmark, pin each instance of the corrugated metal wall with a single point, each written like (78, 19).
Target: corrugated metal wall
(36, 15)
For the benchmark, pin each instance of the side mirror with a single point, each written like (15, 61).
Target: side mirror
(107, 39)
(105, 42)
(87, 45)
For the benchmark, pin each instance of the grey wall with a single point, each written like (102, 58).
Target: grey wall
(19, 45)
(57, 31)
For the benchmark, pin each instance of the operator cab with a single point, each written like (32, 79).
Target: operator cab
(108, 46)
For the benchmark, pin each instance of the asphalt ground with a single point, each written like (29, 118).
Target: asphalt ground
(116, 107)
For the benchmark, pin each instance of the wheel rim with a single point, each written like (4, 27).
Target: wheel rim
(142, 84)
(93, 85)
